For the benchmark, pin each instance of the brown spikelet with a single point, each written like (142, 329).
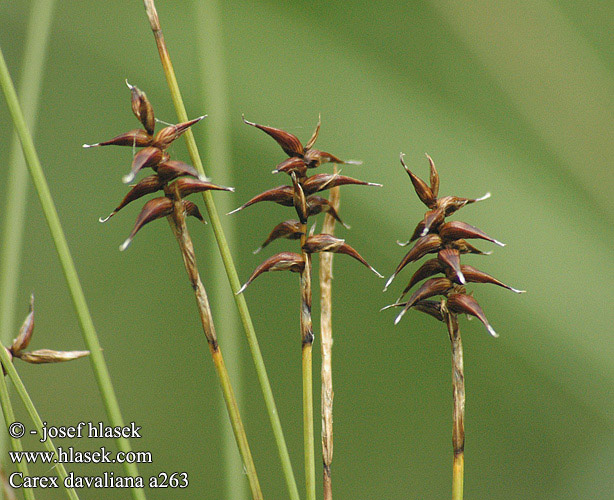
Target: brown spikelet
(290, 229)
(294, 164)
(425, 244)
(142, 109)
(461, 303)
(145, 186)
(423, 191)
(284, 261)
(25, 332)
(426, 270)
(192, 210)
(433, 286)
(434, 177)
(450, 257)
(171, 169)
(167, 135)
(432, 219)
(134, 138)
(298, 199)
(43, 356)
(465, 247)
(317, 204)
(147, 157)
(320, 182)
(153, 209)
(431, 307)
(187, 186)
(473, 275)
(328, 243)
(281, 194)
(288, 142)
(455, 230)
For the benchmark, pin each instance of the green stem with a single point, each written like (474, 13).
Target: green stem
(90, 337)
(36, 419)
(218, 154)
(9, 418)
(231, 271)
(39, 27)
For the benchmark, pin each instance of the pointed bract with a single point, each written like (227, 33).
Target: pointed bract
(320, 182)
(191, 210)
(25, 332)
(434, 177)
(135, 138)
(298, 198)
(147, 157)
(290, 229)
(187, 186)
(450, 257)
(153, 209)
(455, 230)
(474, 275)
(431, 287)
(142, 109)
(145, 186)
(288, 142)
(314, 136)
(43, 356)
(285, 261)
(461, 303)
(167, 135)
(171, 169)
(422, 190)
(294, 164)
(426, 270)
(281, 194)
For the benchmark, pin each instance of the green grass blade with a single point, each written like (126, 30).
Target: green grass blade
(90, 337)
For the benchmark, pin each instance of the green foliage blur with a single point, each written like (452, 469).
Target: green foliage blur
(515, 98)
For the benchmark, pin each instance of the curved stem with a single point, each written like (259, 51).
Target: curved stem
(90, 337)
(458, 391)
(231, 272)
(177, 222)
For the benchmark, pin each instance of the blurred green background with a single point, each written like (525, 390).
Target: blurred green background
(515, 98)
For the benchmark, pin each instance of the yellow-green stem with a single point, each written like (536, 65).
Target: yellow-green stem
(307, 369)
(177, 222)
(9, 418)
(227, 259)
(90, 336)
(458, 392)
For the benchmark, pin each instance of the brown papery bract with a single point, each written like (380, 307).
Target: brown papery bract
(284, 261)
(288, 142)
(152, 210)
(167, 135)
(281, 194)
(142, 108)
(455, 230)
(290, 229)
(461, 303)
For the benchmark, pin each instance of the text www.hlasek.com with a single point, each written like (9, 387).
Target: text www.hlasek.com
(70, 455)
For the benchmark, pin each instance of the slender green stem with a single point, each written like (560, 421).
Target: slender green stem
(90, 337)
(231, 271)
(39, 27)
(9, 418)
(458, 392)
(218, 154)
(307, 370)
(177, 222)
(36, 419)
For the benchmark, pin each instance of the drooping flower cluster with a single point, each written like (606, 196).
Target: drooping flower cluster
(154, 155)
(302, 196)
(448, 240)
(39, 356)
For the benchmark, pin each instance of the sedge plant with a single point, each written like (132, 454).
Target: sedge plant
(301, 195)
(177, 180)
(448, 240)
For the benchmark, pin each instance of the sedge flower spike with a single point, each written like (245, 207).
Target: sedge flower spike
(448, 240)
(174, 178)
